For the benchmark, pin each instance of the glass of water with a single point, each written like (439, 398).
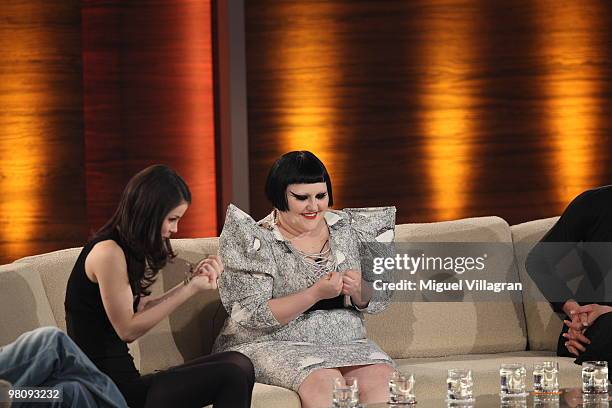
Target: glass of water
(546, 400)
(546, 377)
(595, 377)
(512, 380)
(346, 392)
(595, 401)
(401, 388)
(459, 384)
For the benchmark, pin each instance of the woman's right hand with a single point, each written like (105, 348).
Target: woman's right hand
(329, 286)
(203, 281)
(207, 273)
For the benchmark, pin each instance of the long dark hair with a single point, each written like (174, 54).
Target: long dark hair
(145, 202)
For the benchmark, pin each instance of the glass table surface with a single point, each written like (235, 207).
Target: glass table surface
(570, 397)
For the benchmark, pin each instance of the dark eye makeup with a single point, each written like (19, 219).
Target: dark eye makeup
(302, 197)
(299, 197)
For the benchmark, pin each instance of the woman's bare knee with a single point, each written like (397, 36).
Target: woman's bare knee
(373, 381)
(316, 389)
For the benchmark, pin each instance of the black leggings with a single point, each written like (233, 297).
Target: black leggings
(224, 379)
(600, 334)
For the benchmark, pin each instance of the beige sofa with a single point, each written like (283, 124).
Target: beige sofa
(425, 338)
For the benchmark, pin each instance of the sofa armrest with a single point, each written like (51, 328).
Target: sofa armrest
(4, 398)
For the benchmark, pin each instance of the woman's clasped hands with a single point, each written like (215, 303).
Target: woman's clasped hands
(582, 317)
(206, 273)
(335, 283)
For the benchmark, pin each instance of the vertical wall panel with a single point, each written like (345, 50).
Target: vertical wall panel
(575, 70)
(149, 99)
(449, 51)
(42, 187)
(91, 92)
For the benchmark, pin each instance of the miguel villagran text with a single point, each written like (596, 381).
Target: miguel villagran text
(432, 285)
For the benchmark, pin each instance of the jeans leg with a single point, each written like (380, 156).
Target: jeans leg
(31, 359)
(76, 395)
(47, 355)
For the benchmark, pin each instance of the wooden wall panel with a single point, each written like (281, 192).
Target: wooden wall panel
(444, 108)
(42, 186)
(91, 92)
(149, 99)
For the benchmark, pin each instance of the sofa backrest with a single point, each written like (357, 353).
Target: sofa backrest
(543, 325)
(54, 269)
(429, 329)
(23, 302)
(404, 330)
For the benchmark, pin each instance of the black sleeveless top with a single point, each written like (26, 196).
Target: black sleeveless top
(87, 322)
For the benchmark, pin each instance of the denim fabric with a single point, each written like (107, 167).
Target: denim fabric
(47, 357)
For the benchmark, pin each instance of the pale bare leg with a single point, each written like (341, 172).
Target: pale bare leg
(373, 381)
(316, 390)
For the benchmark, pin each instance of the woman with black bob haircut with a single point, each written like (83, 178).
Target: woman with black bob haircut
(293, 286)
(300, 167)
(108, 302)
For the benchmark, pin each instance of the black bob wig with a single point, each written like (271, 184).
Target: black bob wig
(297, 167)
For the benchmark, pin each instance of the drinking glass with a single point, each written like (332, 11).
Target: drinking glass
(459, 385)
(595, 401)
(513, 402)
(346, 393)
(401, 388)
(546, 400)
(594, 377)
(546, 377)
(512, 380)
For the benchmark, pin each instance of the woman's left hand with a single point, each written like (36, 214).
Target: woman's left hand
(575, 341)
(351, 284)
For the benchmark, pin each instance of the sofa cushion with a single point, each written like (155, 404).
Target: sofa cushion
(430, 373)
(23, 302)
(270, 396)
(188, 332)
(5, 387)
(543, 325)
(202, 316)
(431, 329)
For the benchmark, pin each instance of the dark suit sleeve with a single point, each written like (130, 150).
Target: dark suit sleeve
(542, 262)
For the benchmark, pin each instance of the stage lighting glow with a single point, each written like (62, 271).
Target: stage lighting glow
(447, 120)
(23, 126)
(573, 78)
(311, 58)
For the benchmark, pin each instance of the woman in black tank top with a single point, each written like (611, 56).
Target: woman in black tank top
(108, 304)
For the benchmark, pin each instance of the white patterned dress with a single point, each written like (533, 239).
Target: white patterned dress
(260, 265)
